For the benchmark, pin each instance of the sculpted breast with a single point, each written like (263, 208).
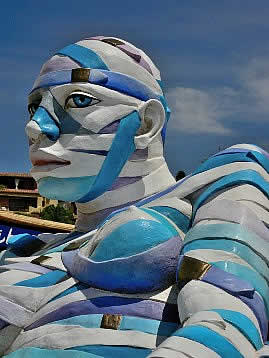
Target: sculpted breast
(133, 251)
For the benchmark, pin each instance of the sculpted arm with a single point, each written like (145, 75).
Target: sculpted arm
(223, 271)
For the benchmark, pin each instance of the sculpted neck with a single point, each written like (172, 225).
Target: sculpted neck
(140, 178)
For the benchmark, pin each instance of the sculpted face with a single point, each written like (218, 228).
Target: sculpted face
(85, 123)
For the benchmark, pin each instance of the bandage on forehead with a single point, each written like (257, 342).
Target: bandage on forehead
(111, 80)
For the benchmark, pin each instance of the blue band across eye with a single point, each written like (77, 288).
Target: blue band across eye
(113, 80)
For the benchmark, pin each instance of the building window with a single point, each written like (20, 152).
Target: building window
(22, 204)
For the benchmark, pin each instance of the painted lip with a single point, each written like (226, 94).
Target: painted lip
(48, 166)
(45, 162)
(42, 162)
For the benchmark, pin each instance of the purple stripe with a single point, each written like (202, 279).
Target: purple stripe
(3, 324)
(242, 290)
(23, 266)
(58, 63)
(231, 151)
(112, 305)
(120, 182)
(130, 51)
(256, 304)
(88, 151)
(110, 128)
(151, 270)
(228, 282)
(139, 154)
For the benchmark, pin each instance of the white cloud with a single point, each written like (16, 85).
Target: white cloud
(199, 111)
(205, 110)
(255, 79)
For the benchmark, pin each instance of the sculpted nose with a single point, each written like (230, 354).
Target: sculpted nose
(42, 123)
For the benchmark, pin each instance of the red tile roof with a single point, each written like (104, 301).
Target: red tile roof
(11, 174)
(19, 191)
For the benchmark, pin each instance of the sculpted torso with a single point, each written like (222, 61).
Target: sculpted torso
(148, 255)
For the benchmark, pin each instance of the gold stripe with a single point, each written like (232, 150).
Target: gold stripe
(80, 75)
(111, 321)
(192, 269)
(74, 245)
(39, 260)
(113, 42)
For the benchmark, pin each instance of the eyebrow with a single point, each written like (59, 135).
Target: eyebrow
(112, 80)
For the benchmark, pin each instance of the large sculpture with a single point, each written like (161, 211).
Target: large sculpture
(154, 268)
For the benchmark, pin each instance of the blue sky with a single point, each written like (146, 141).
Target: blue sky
(213, 57)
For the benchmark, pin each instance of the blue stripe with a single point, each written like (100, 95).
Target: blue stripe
(243, 324)
(86, 321)
(114, 81)
(126, 84)
(181, 220)
(46, 280)
(84, 56)
(243, 272)
(210, 339)
(127, 323)
(237, 248)
(161, 219)
(242, 177)
(225, 158)
(121, 149)
(68, 125)
(230, 231)
(54, 78)
(46, 123)
(148, 326)
(73, 289)
(135, 237)
(113, 351)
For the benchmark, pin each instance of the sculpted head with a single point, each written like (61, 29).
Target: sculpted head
(95, 110)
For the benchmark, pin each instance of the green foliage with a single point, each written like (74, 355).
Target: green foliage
(58, 213)
(2, 187)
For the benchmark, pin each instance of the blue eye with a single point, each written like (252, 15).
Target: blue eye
(80, 100)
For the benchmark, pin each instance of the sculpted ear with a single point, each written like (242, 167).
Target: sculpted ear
(152, 117)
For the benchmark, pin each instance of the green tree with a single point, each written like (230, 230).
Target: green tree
(58, 213)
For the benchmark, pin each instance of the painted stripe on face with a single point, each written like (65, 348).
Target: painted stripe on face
(111, 80)
(118, 61)
(121, 149)
(46, 123)
(67, 124)
(96, 152)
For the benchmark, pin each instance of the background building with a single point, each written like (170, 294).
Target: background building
(18, 192)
